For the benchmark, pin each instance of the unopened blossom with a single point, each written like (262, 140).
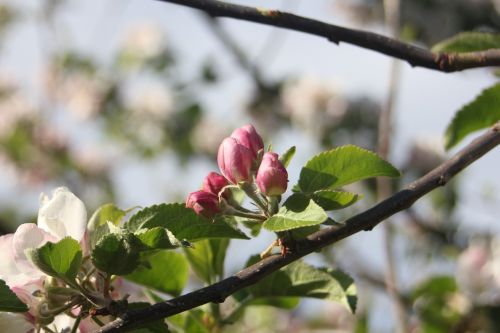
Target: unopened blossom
(248, 137)
(235, 161)
(203, 203)
(272, 177)
(214, 183)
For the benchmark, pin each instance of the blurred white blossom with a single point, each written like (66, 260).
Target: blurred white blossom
(426, 153)
(207, 136)
(91, 160)
(154, 100)
(478, 273)
(144, 40)
(13, 106)
(311, 103)
(339, 317)
(80, 92)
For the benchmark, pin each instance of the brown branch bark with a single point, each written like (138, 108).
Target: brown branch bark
(414, 55)
(363, 221)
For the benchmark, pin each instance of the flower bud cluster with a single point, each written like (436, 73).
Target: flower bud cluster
(242, 163)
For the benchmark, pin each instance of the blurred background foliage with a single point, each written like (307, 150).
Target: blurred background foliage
(136, 104)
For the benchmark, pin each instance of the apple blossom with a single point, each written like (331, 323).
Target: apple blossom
(248, 137)
(235, 161)
(214, 183)
(203, 203)
(62, 215)
(272, 177)
(15, 323)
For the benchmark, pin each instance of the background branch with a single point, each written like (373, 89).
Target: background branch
(385, 185)
(363, 221)
(415, 56)
(240, 56)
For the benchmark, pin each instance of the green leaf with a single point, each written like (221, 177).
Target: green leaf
(117, 253)
(156, 326)
(483, 112)
(207, 259)
(98, 224)
(437, 286)
(195, 322)
(62, 259)
(469, 42)
(157, 238)
(9, 301)
(297, 211)
(332, 200)
(302, 280)
(431, 301)
(287, 156)
(341, 166)
(165, 271)
(182, 222)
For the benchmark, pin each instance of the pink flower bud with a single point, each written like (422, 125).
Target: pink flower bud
(214, 183)
(248, 137)
(272, 177)
(203, 203)
(235, 161)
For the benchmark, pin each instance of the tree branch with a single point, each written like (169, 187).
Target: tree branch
(363, 221)
(414, 55)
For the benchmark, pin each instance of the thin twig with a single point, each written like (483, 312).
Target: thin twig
(414, 55)
(366, 220)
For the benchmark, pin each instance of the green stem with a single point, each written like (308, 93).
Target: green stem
(97, 321)
(76, 324)
(233, 316)
(250, 190)
(61, 309)
(215, 310)
(252, 216)
(46, 329)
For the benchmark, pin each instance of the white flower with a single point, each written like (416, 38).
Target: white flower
(426, 153)
(58, 217)
(154, 100)
(14, 107)
(28, 236)
(144, 41)
(478, 274)
(15, 323)
(62, 215)
(310, 103)
(208, 135)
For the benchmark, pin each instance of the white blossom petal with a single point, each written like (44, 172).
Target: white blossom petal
(7, 264)
(15, 323)
(63, 215)
(28, 236)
